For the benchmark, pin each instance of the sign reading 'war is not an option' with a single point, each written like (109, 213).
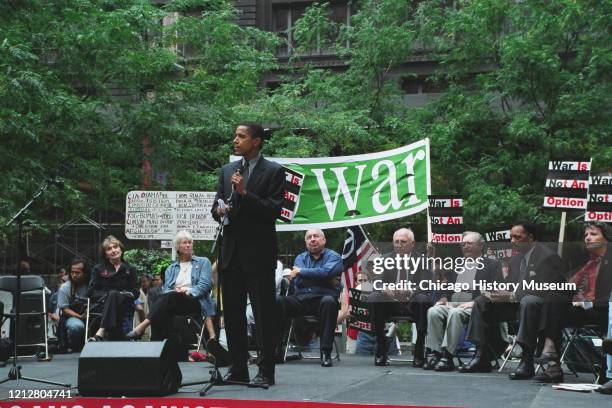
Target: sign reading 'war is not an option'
(599, 207)
(567, 185)
(499, 241)
(446, 215)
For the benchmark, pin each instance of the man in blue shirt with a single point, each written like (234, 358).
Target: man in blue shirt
(315, 289)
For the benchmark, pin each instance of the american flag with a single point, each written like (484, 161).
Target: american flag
(357, 248)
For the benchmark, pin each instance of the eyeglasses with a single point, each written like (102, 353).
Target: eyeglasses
(362, 280)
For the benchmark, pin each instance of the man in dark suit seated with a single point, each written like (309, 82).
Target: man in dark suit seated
(315, 289)
(252, 192)
(386, 303)
(534, 263)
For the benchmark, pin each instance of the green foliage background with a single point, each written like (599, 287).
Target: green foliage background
(82, 82)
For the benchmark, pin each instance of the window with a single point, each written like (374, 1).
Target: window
(285, 15)
(422, 85)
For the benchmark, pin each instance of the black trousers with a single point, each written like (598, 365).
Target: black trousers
(166, 307)
(483, 328)
(382, 307)
(561, 313)
(114, 307)
(325, 307)
(260, 286)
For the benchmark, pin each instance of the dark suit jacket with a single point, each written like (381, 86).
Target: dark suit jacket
(603, 284)
(390, 275)
(544, 266)
(251, 234)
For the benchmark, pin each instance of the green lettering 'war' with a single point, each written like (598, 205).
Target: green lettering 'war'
(352, 190)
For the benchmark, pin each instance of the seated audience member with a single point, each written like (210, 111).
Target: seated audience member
(142, 304)
(53, 312)
(352, 332)
(445, 320)
(315, 289)
(535, 263)
(607, 348)
(386, 303)
(112, 290)
(588, 305)
(156, 288)
(186, 291)
(72, 303)
(365, 343)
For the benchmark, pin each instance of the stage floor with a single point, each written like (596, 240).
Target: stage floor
(354, 379)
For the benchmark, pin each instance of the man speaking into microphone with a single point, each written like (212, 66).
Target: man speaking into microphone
(252, 189)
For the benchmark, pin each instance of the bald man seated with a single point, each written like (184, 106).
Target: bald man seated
(387, 300)
(315, 290)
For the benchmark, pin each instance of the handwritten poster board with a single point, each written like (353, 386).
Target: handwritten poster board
(160, 214)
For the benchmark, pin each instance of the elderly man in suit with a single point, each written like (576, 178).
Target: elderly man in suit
(536, 263)
(252, 191)
(386, 303)
(445, 320)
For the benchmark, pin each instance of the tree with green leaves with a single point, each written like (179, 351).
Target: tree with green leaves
(83, 83)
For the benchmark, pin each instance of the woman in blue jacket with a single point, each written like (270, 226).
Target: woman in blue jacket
(186, 290)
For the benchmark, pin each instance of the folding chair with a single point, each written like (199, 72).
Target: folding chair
(571, 336)
(399, 319)
(312, 321)
(30, 284)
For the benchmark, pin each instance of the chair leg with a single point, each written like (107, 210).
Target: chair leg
(45, 325)
(288, 341)
(201, 336)
(507, 357)
(336, 347)
(87, 321)
(569, 341)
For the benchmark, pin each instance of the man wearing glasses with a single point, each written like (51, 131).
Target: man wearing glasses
(386, 303)
(445, 320)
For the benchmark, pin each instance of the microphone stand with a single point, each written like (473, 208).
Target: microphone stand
(216, 379)
(15, 372)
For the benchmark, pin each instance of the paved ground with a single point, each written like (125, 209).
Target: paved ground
(355, 379)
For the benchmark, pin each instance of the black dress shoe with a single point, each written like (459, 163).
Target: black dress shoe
(445, 364)
(326, 360)
(263, 379)
(481, 363)
(431, 361)
(381, 361)
(553, 374)
(239, 375)
(418, 356)
(605, 389)
(546, 358)
(524, 371)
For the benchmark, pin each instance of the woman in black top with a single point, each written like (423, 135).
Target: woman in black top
(112, 289)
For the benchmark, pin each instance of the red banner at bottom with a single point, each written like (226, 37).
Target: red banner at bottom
(154, 402)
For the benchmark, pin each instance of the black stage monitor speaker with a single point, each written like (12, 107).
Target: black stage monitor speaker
(128, 369)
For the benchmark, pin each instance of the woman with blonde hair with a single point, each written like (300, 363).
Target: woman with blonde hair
(186, 291)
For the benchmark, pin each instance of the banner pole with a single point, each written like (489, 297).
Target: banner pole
(561, 233)
(429, 234)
